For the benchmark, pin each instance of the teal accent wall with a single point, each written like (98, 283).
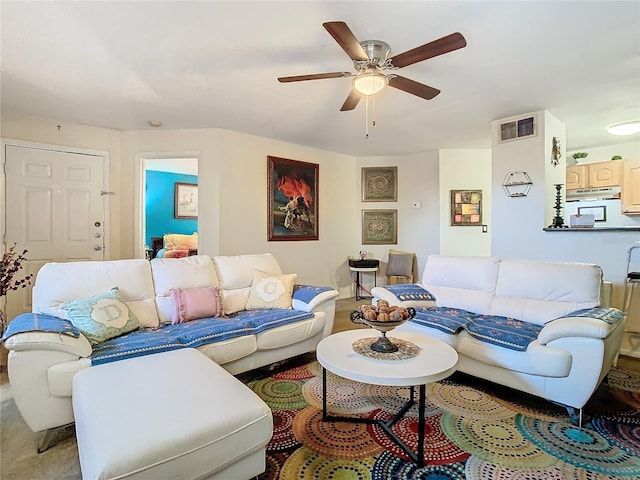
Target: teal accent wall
(159, 205)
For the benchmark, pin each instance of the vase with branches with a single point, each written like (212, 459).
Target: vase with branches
(12, 264)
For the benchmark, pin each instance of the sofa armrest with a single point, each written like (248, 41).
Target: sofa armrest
(592, 323)
(33, 331)
(307, 298)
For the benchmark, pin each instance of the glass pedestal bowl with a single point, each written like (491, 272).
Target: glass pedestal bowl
(383, 344)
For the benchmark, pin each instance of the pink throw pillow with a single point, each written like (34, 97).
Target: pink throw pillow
(192, 303)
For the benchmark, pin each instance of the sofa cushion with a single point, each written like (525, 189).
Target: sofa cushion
(235, 273)
(193, 303)
(535, 360)
(462, 282)
(84, 279)
(290, 333)
(101, 317)
(537, 292)
(270, 291)
(195, 271)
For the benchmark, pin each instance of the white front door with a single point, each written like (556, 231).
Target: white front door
(55, 209)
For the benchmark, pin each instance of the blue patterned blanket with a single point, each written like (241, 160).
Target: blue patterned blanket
(410, 291)
(502, 331)
(193, 334)
(164, 338)
(306, 293)
(36, 322)
(606, 314)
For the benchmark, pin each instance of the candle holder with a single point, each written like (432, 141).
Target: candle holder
(558, 221)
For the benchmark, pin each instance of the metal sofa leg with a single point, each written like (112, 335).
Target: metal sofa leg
(575, 415)
(53, 436)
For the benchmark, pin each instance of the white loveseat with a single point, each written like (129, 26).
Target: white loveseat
(575, 347)
(42, 364)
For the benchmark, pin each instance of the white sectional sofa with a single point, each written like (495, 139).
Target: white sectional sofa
(43, 361)
(574, 342)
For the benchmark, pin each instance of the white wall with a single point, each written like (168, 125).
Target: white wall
(418, 228)
(518, 222)
(58, 132)
(234, 211)
(233, 200)
(465, 170)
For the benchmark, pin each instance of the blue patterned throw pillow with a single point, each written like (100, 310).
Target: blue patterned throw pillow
(101, 316)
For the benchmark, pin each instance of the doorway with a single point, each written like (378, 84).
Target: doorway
(55, 206)
(157, 216)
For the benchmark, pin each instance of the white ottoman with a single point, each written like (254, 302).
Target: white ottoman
(168, 415)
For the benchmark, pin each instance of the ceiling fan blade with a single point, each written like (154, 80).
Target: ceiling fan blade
(315, 76)
(443, 45)
(413, 87)
(351, 102)
(347, 40)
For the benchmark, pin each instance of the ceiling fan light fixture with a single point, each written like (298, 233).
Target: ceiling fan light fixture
(625, 128)
(369, 82)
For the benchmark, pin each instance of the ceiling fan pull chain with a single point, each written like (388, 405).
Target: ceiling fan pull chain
(366, 118)
(373, 115)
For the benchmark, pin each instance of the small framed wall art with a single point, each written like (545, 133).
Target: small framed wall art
(379, 227)
(379, 184)
(185, 197)
(466, 207)
(599, 212)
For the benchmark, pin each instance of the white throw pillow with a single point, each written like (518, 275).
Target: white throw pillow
(271, 291)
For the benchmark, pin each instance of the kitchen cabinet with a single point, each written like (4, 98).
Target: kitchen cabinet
(595, 175)
(631, 188)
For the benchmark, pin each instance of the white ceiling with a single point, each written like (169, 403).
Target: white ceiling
(214, 65)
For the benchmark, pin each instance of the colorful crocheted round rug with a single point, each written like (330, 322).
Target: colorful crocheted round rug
(343, 440)
(304, 463)
(343, 396)
(478, 469)
(468, 401)
(495, 441)
(624, 435)
(438, 449)
(296, 373)
(279, 394)
(283, 438)
(388, 466)
(581, 447)
(623, 379)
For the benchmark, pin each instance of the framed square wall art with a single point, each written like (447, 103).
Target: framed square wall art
(185, 197)
(379, 227)
(293, 199)
(379, 184)
(466, 207)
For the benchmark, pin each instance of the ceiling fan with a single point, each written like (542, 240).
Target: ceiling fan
(372, 57)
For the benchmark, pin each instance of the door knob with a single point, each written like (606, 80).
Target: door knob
(97, 248)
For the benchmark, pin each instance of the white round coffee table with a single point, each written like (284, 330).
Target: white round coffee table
(435, 360)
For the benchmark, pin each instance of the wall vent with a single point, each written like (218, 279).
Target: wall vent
(518, 128)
